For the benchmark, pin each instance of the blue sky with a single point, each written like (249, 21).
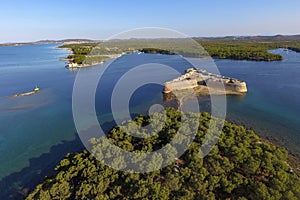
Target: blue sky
(33, 20)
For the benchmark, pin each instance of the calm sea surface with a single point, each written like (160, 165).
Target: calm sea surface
(37, 131)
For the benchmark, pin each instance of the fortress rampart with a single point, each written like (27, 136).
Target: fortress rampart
(203, 82)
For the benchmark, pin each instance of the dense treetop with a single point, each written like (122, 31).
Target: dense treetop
(240, 166)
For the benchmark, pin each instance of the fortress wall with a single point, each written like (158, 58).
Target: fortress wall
(181, 85)
(237, 87)
(190, 81)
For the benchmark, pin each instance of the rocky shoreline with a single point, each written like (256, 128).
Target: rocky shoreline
(72, 65)
(293, 159)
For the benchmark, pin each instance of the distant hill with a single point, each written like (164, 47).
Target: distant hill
(254, 38)
(49, 42)
(64, 41)
(258, 37)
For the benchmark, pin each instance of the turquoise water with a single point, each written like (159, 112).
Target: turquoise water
(32, 125)
(38, 130)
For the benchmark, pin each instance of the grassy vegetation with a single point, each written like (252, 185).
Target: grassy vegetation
(240, 166)
(252, 48)
(80, 51)
(118, 47)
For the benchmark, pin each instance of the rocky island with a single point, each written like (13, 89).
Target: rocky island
(34, 91)
(202, 83)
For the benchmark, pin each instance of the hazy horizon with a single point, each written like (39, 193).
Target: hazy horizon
(221, 36)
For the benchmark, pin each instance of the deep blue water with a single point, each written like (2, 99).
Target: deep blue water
(272, 105)
(38, 130)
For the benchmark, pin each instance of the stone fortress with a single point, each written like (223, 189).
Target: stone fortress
(201, 82)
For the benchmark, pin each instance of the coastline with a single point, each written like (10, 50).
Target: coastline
(68, 147)
(259, 175)
(86, 63)
(293, 158)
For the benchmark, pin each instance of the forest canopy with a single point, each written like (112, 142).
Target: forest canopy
(240, 166)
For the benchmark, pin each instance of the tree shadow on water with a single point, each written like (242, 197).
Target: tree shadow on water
(17, 185)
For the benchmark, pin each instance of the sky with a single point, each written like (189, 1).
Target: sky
(32, 20)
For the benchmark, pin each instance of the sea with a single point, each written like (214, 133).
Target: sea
(37, 131)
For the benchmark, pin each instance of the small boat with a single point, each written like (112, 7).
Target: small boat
(36, 89)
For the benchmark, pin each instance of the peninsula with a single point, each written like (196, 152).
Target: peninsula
(86, 54)
(90, 61)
